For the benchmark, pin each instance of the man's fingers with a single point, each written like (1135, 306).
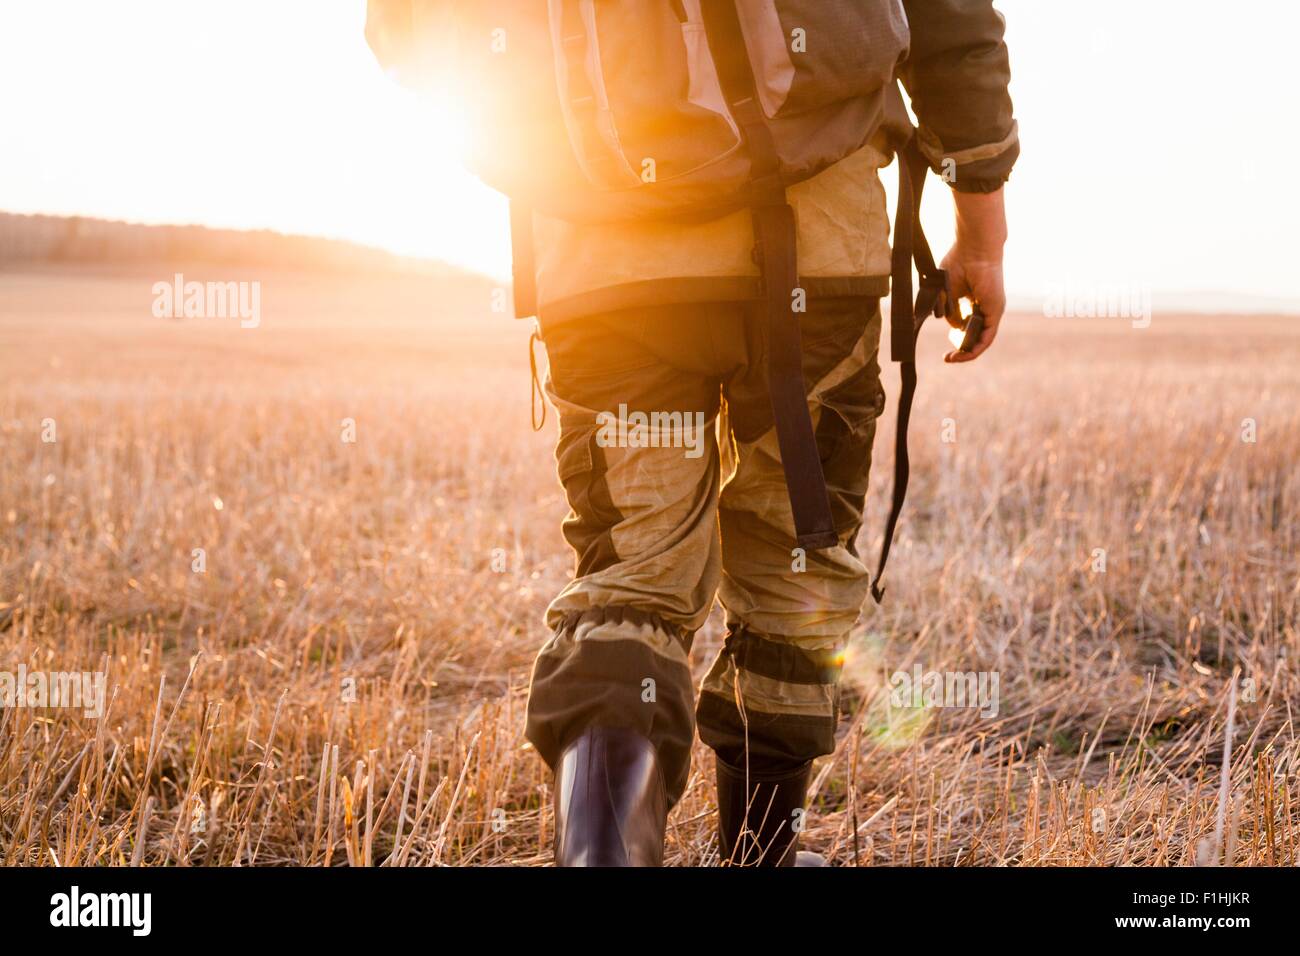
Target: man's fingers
(991, 323)
(980, 282)
(958, 289)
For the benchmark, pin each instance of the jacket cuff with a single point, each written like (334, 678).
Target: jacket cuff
(979, 169)
(987, 176)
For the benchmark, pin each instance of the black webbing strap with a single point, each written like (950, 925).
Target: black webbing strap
(805, 483)
(777, 254)
(905, 319)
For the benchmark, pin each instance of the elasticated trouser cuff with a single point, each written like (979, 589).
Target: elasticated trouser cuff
(615, 683)
(788, 700)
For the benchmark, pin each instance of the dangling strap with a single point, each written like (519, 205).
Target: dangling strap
(776, 247)
(536, 395)
(523, 275)
(905, 319)
(805, 483)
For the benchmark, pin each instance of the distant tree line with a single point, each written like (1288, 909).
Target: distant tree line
(78, 239)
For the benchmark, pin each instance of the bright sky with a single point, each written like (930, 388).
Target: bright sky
(1158, 135)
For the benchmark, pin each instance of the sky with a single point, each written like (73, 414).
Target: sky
(1158, 137)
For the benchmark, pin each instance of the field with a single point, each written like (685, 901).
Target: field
(1106, 517)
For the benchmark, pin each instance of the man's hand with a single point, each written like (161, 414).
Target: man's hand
(974, 262)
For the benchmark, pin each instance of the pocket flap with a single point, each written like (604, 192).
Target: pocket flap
(573, 453)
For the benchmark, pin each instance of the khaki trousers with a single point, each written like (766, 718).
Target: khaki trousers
(670, 465)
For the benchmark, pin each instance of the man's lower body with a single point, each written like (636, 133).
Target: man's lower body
(670, 464)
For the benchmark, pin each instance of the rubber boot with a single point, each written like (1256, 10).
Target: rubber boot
(758, 824)
(610, 804)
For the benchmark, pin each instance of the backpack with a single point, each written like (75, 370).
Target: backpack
(620, 110)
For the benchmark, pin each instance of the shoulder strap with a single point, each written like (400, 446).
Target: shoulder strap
(776, 247)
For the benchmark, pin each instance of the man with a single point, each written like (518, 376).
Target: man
(659, 367)
(659, 318)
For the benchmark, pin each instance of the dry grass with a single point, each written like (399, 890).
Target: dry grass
(229, 737)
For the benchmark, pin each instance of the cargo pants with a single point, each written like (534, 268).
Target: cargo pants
(669, 461)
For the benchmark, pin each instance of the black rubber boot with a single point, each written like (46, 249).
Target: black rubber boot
(758, 824)
(610, 805)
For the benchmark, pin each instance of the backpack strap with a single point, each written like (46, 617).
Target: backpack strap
(906, 317)
(776, 251)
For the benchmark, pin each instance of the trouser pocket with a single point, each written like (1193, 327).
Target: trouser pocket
(846, 430)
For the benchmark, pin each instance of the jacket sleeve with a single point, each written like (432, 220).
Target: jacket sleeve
(956, 74)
